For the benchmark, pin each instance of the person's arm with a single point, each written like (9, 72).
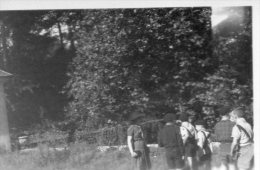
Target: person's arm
(130, 134)
(184, 134)
(215, 134)
(160, 138)
(233, 145)
(210, 143)
(180, 142)
(130, 146)
(200, 140)
(236, 136)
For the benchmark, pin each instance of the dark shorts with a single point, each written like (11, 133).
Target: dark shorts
(202, 157)
(221, 155)
(190, 148)
(174, 158)
(205, 158)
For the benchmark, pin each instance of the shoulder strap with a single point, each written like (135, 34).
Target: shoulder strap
(243, 129)
(204, 134)
(206, 137)
(187, 130)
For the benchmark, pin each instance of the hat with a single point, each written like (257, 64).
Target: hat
(184, 117)
(224, 110)
(135, 115)
(200, 122)
(169, 117)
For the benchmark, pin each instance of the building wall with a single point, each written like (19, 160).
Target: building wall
(4, 130)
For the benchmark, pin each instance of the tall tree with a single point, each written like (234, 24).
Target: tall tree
(39, 63)
(138, 59)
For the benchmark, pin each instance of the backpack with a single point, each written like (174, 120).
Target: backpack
(206, 151)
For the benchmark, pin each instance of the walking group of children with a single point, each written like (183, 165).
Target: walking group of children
(188, 145)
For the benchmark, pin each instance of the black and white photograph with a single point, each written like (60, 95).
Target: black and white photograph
(128, 88)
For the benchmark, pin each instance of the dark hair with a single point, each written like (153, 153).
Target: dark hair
(169, 117)
(200, 122)
(184, 117)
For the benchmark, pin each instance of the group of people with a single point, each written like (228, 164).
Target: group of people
(188, 144)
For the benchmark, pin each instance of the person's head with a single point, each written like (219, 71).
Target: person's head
(136, 118)
(184, 117)
(169, 118)
(191, 119)
(236, 113)
(200, 124)
(224, 112)
(225, 116)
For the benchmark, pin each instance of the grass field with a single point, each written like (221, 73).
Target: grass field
(78, 157)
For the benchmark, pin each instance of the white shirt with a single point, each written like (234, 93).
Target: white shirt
(187, 130)
(240, 134)
(190, 128)
(184, 134)
(201, 137)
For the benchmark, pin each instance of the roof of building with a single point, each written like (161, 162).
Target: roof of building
(4, 74)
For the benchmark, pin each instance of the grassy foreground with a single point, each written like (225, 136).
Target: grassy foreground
(78, 157)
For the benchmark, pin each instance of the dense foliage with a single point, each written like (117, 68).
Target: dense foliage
(38, 60)
(86, 67)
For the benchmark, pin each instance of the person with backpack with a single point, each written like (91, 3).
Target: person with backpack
(189, 136)
(137, 144)
(204, 151)
(242, 147)
(222, 132)
(169, 137)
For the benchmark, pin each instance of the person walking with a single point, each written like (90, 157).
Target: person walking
(189, 136)
(137, 144)
(242, 134)
(204, 151)
(222, 133)
(170, 138)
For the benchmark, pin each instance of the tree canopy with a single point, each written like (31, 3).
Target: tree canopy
(88, 66)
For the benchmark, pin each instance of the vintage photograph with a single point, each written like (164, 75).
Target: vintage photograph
(127, 89)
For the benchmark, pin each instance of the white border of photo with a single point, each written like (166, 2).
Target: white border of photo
(100, 4)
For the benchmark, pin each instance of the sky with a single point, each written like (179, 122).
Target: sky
(219, 14)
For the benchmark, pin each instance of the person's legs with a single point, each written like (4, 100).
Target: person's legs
(245, 157)
(136, 163)
(190, 162)
(174, 160)
(190, 151)
(141, 161)
(178, 163)
(205, 162)
(224, 152)
(232, 167)
(169, 160)
(208, 164)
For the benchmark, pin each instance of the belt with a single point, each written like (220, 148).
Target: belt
(243, 146)
(138, 140)
(171, 147)
(225, 141)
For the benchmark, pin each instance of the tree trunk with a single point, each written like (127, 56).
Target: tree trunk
(60, 34)
(3, 57)
(71, 38)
